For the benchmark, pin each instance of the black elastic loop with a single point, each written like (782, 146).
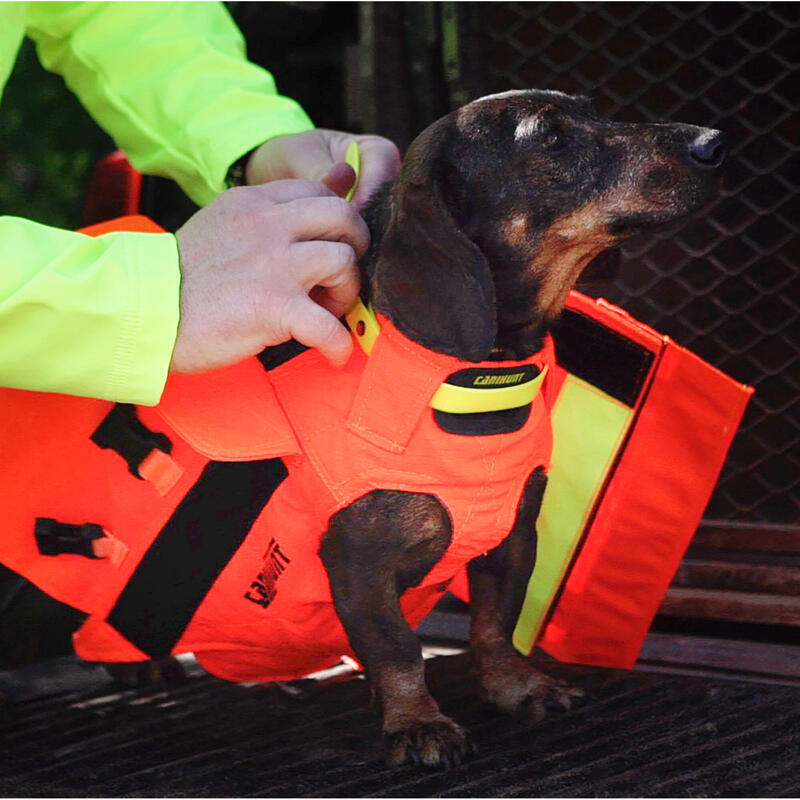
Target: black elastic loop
(483, 423)
(273, 357)
(54, 538)
(123, 432)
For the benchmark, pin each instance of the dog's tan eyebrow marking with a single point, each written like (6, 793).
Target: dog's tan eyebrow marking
(515, 229)
(467, 116)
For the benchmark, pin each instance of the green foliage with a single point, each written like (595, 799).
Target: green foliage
(48, 146)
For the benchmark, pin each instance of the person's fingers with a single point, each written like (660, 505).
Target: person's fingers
(306, 155)
(313, 326)
(284, 191)
(316, 155)
(332, 266)
(331, 219)
(380, 162)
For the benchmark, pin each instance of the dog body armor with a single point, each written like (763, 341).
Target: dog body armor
(206, 512)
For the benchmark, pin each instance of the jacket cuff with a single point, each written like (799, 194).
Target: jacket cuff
(149, 326)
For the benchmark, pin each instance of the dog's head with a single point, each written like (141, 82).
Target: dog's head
(501, 204)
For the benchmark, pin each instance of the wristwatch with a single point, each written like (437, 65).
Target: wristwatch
(235, 175)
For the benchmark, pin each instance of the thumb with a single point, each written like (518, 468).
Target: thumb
(297, 155)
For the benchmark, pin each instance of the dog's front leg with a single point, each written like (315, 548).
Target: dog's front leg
(497, 584)
(373, 550)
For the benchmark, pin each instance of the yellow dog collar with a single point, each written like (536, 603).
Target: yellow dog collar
(489, 392)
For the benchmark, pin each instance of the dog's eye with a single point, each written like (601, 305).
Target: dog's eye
(553, 138)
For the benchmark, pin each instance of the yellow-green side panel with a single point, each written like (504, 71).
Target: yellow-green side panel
(588, 428)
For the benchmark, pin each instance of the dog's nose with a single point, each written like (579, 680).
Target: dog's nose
(707, 151)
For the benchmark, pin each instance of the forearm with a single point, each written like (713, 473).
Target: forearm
(169, 82)
(88, 316)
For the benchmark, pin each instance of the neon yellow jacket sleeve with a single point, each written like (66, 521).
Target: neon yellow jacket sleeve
(87, 316)
(168, 81)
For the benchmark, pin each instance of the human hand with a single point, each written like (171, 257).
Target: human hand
(252, 260)
(319, 155)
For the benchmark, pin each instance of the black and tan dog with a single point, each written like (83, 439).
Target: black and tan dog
(499, 207)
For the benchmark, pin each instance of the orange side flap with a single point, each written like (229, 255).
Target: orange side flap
(648, 514)
(229, 414)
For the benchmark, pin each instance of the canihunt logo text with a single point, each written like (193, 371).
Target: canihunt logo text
(493, 378)
(499, 380)
(263, 589)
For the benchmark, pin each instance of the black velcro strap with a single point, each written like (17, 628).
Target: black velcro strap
(196, 544)
(54, 538)
(602, 357)
(123, 432)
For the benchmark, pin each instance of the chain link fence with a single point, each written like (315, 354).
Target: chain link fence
(726, 284)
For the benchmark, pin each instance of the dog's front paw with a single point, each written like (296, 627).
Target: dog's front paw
(439, 743)
(522, 691)
(548, 694)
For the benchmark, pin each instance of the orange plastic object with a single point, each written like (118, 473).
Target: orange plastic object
(114, 190)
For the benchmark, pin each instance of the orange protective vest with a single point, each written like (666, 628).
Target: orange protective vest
(211, 547)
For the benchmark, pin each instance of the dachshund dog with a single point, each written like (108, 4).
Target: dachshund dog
(498, 208)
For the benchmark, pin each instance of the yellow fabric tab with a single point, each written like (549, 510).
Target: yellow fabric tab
(353, 158)
(362, 322)
(464, 400)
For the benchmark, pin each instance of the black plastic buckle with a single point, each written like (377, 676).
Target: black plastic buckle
(55, 538)
(122, 432)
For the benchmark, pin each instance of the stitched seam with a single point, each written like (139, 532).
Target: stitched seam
(480, 493)
(129, 334)
(369, 432)
(319, 467)
(392, 477)
(411, 415)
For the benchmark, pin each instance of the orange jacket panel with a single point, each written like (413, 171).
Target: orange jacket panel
(340, 433)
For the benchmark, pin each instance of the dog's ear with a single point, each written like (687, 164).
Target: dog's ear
(430, 279)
